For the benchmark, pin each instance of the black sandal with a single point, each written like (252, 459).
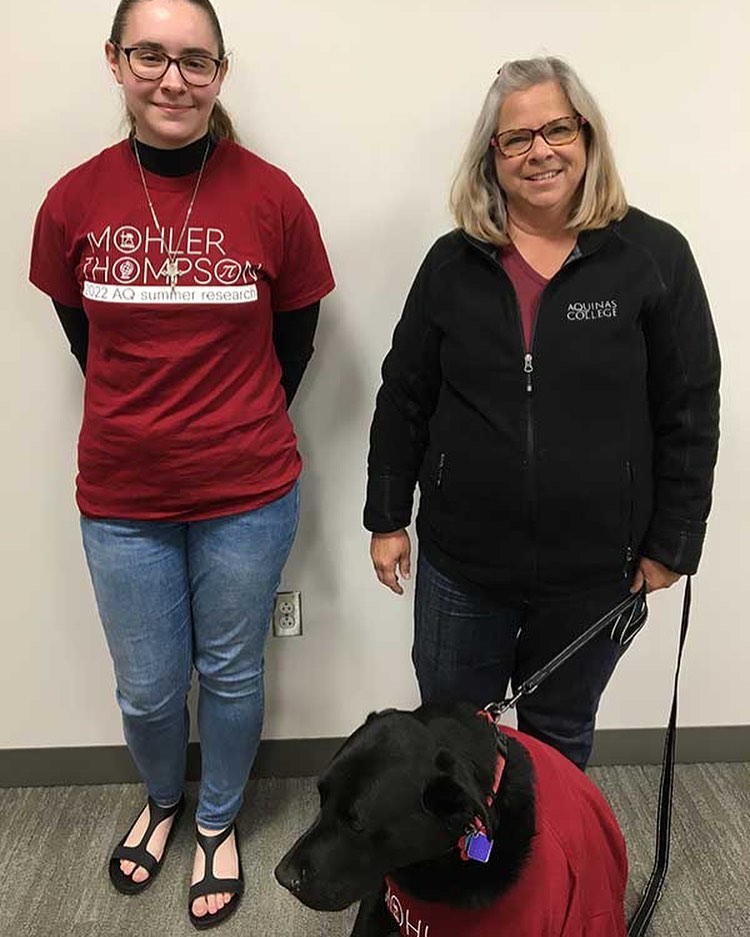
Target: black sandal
(209, 885)
(139, 854)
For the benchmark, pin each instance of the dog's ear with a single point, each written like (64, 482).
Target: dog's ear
(445, 798)
(453, 796)
(448, 800)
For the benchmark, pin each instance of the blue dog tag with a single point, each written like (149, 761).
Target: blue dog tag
(478, 846)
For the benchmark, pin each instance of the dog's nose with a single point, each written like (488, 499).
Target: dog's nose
(294, 885)
(291, 875)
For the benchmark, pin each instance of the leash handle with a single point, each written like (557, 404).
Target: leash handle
(647, 905)
(635, 607)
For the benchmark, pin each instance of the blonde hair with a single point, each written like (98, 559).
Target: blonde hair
(478, 202)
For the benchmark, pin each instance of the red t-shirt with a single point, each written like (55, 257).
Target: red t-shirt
(573, 884)
(529, 286)
(184, 415)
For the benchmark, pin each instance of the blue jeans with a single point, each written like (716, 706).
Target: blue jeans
(468, 646)
(173, 596)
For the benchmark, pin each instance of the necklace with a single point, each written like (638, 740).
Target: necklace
(170, 270)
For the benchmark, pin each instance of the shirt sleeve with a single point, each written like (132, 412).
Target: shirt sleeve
(684, 374)
(399, 433)
(52, 268)
(75, 324)
(305, 274)
(293, 334)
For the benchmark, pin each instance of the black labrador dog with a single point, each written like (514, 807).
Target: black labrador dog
(442, 825)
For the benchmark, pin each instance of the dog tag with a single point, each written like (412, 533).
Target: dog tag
(478, 846)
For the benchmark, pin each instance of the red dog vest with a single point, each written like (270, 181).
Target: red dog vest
(573, 884)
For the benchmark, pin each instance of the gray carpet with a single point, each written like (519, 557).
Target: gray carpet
(54, 843)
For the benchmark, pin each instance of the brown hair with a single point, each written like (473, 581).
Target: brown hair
(220, 123)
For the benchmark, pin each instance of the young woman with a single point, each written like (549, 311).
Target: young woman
(553, 387)
(187, 273)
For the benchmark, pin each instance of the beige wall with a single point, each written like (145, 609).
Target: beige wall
(367, 103)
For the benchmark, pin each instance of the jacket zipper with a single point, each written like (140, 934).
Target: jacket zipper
(528, 357)
(528, 371)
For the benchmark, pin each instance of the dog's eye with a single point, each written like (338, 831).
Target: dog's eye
(354, 821)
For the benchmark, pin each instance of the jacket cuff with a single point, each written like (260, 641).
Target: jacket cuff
(389, 503)
(674, 542)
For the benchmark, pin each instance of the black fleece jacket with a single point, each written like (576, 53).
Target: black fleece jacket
(553, 469)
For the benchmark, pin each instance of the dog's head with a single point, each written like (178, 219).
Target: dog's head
(394, 796)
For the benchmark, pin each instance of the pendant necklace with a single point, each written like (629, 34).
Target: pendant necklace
(171, 272)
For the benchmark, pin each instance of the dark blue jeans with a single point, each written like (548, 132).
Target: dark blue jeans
(468, 646)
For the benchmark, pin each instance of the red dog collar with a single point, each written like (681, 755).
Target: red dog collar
(475, 843)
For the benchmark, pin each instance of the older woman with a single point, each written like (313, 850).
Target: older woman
(553, 388)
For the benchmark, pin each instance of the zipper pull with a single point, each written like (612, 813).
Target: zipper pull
(528, 367)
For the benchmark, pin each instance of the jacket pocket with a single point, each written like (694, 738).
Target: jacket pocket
(628, 512)
(431, 473)
(431, 480)
(439, 471)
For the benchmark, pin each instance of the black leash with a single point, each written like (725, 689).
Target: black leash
(626, 619)
(647, 905)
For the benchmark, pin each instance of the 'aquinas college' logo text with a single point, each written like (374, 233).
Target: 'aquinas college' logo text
(579, 312)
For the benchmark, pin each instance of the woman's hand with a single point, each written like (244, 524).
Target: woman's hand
(391, 555)
(654, 574)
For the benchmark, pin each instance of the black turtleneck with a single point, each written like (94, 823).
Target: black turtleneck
(179, 162)
(293, 331)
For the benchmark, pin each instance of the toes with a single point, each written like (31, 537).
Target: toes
(136, 872)
(200, 909)
(211, 904)
(140, 875)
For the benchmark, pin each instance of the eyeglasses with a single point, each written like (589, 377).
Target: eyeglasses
(151, 65)
(556, 132)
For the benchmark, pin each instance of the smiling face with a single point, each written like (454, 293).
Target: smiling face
(543, 181)
(168, 112)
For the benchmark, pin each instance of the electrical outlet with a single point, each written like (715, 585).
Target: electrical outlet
(287, 614)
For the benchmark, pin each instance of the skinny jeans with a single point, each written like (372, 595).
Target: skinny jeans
(178, 597)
